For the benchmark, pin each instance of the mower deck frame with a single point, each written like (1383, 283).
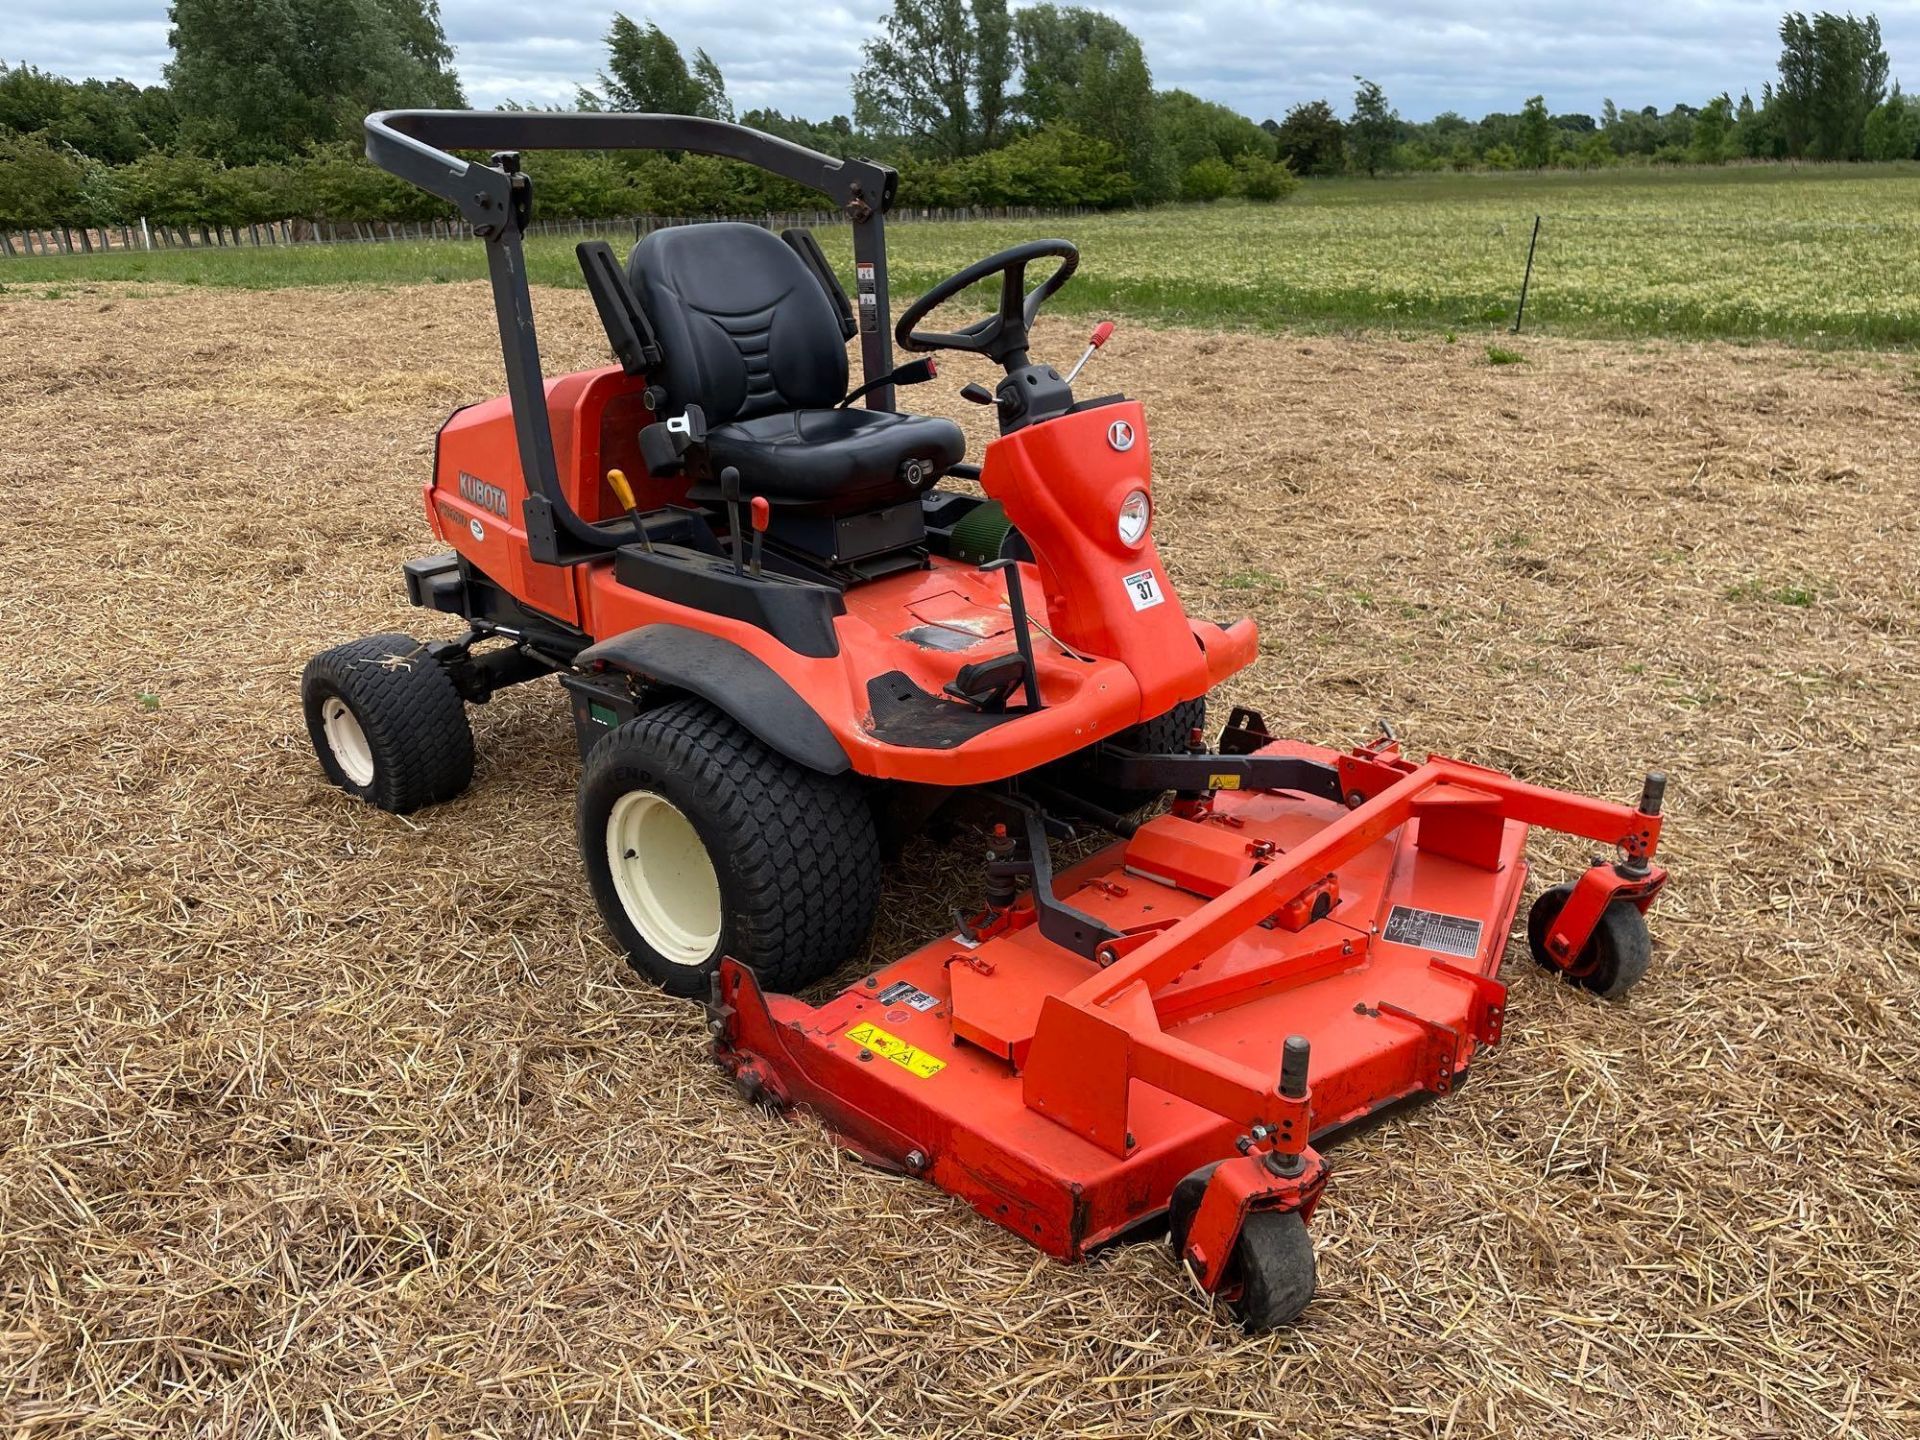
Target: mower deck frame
(1065, 1096)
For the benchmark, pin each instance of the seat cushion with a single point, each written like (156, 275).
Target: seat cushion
(833, 461)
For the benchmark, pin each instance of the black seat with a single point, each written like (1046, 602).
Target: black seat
(748, 335)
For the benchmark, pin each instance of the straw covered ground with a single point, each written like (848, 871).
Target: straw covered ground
(315, 1121)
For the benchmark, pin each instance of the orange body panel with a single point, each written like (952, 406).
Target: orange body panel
(1061, 483)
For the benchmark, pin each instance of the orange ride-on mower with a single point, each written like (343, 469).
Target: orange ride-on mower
(783, 641)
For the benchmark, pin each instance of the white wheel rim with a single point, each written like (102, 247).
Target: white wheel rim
(347, 741)
(664, 878)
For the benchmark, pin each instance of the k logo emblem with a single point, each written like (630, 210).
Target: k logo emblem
(1120, 435)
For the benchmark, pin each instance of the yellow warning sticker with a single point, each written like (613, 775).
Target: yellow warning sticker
(1223, 782)
(869, 1036)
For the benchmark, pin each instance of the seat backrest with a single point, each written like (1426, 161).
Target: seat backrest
(744, 327)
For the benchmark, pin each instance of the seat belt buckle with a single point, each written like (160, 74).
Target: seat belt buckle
(664, 444)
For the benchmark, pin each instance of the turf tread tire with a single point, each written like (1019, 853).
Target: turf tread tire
(795, 851)
(410, 712)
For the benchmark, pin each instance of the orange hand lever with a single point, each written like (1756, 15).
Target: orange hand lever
(762, 514)
(623, 492)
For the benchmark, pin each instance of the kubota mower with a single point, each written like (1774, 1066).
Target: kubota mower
(785, 642)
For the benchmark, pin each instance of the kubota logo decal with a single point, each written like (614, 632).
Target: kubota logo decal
(1120, 435)
(473, 488)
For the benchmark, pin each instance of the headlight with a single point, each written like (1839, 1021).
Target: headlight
(1135, 513)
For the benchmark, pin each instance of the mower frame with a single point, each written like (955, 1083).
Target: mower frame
(1132, 1104)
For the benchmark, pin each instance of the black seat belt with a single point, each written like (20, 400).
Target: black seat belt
(634, 342)
(802, 243)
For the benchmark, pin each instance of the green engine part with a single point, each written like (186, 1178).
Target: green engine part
(977, 534)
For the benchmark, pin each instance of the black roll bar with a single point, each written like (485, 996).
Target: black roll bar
(496, 200)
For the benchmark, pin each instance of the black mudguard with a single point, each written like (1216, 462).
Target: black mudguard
(729, 678)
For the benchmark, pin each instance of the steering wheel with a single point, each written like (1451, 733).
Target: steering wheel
(1001, 336)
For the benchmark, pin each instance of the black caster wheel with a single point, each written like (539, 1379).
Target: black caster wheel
(1184, 1205)
(1272, 1268)
(1616, 955)
(1277, 1274)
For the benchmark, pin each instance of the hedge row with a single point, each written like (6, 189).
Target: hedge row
(42, 184)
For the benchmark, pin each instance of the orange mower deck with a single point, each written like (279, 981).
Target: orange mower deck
(1066, 1098)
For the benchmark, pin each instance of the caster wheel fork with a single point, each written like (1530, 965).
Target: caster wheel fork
(1271, 1277)
(1614, 958)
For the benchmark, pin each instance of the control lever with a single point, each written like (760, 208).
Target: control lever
(914, 372)
(623, 492)
(976, 392)
(762, 514)
(730, 492)
(1102, 333)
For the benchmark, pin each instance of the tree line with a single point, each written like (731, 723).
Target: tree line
(1830, 101)
(259, 116)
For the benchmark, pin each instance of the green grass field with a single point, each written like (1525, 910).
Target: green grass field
(1813, 255)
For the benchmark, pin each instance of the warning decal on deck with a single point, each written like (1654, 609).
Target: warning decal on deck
(908, 1057)
(1430, 930)
(902, 993)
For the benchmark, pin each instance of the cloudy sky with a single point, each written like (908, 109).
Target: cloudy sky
(1259, 56)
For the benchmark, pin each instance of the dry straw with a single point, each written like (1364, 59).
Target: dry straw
(315, 1121)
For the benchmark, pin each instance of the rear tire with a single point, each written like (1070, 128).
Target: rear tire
(700, 842)
(387, 723)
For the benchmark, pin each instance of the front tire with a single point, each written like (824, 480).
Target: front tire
(387, 723)
(700, 841)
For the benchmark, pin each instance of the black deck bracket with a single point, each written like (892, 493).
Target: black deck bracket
(1134, 770)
